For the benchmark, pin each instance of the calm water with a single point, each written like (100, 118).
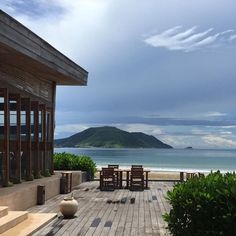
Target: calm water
(162, 159)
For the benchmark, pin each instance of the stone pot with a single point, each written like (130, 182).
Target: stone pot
(68, 207)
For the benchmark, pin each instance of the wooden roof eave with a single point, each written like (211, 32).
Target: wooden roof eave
(23, 48)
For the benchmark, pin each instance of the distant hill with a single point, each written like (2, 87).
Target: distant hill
(110, 137)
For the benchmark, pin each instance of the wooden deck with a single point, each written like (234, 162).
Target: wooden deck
(95, 216)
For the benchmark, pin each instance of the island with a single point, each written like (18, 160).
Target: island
(110, 137)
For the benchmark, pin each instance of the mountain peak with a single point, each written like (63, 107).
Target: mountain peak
(110, 137)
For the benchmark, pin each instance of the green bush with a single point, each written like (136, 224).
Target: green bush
(63, 161)
(67, 161)
(203, 206)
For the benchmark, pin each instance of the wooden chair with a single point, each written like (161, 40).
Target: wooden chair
(107, 179)
(137, 179)
(117, 177)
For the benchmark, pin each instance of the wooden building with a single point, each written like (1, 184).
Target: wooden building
(30, 70)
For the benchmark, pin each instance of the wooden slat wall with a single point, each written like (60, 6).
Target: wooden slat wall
(27, 82)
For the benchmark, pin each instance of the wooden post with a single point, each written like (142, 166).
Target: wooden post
(6, 151)
(52, 141)
(49, 148)
(28, 152)
(41, 138)
(44, 137)
(35, 149)
(53, 125)
(18, 154)
(17, 141)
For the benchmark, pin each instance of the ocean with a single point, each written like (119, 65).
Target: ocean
(202, 160)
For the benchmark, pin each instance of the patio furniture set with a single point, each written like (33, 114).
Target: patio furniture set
(111, 178)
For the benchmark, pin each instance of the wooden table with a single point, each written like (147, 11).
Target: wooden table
(127, 171)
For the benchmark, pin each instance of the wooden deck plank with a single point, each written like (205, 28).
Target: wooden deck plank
(106, 230)
(128, 223)
(160, 211)
(86, 216)
(121, 226)
(116, 221)
(135, 219)
(143, 218)
(104, 210)
(154, 220)
(108, 216)
(85, 202)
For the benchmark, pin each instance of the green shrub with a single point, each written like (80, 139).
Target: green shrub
(203, 206)
(67, 161)
(63, 161)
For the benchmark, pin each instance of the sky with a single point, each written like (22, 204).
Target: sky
(162, 67)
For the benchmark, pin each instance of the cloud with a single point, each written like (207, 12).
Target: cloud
(33, 8)
(185, 95)
(145, 128)
(189, 40)
(69, 129)
(215, 114)
(232, 37)
(228, 127)
(218, 141)
(226, 132)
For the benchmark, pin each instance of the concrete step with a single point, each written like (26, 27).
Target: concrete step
(12, 219)
(3, 211)
(31, 225)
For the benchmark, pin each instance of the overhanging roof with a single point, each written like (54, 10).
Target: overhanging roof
(21, 48)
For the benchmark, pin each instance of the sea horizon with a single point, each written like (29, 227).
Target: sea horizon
(163, 160)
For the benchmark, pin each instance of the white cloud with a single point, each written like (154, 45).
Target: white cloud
(188, 40)
(199, 132)
(226, 132)
(78, 24)
(144, 128)
(232, 37)
(219, 142)
(69, 129)
(228, 127)
(178, 141)
(215, 113)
